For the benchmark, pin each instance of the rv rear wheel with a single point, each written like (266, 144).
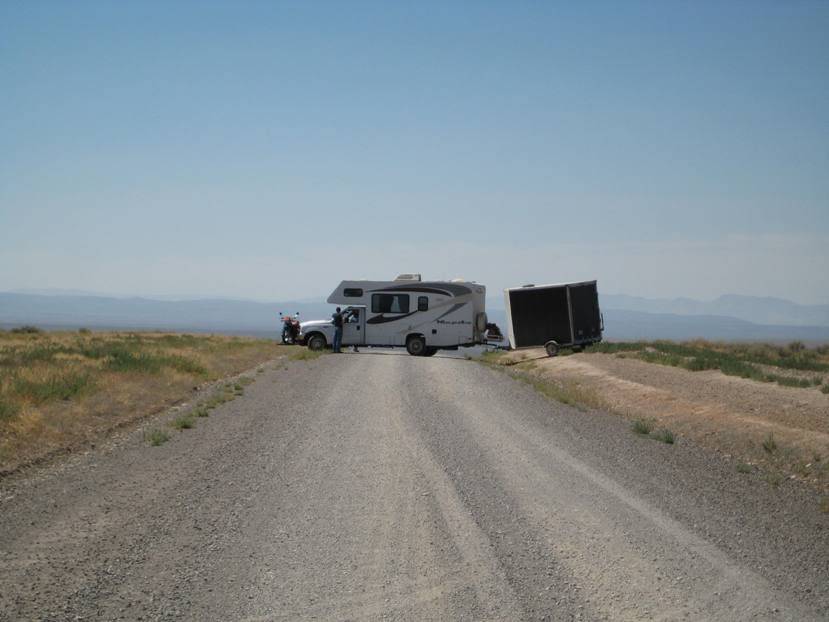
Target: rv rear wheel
(416, 346)
(316, 342)
(551, 347)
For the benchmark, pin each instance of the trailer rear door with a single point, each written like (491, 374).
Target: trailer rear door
(538, 315)
(587, 323)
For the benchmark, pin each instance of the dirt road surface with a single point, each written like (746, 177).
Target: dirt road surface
(370, 486)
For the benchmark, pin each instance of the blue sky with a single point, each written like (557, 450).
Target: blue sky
(268, 150)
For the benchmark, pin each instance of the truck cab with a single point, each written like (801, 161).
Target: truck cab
(317, 334)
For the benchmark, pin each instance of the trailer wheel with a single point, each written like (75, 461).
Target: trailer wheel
(551, 347)
(316, 342)
(416, 346)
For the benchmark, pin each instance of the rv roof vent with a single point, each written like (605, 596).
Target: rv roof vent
(407, 277)
(529, 285)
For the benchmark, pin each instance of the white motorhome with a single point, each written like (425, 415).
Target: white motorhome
(423, 316)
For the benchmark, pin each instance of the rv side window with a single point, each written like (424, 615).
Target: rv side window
(352, 292)
(422, 303)
(390, 303)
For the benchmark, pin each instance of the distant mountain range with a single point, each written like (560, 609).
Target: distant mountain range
(626, 317)
(775, 311)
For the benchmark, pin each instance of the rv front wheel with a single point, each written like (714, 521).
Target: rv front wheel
(416, 346)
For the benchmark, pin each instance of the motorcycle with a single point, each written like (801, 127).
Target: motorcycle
(290, 328)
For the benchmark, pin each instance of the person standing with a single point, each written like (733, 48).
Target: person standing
(354, 316)
(337, 317)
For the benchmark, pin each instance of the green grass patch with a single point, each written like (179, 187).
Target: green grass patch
(180, 341)
(742, 467)
(128, 361)
(183, 364)
(218, 399)
(183, 422)
(740, 360)
(664, 436)
(769, 444)
(569, 394)
(824, 388)
(616, 347)
(8, 409)
(491, 357)
(202, 411)
(786, 381)
(305, 354)
(26, 356)
(61, 386)
(125, 359)
(642, 426)
(156, 437)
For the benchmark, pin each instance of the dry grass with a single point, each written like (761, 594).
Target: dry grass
(527, 369)
(793, 365)
(774, 426)
(61, 389)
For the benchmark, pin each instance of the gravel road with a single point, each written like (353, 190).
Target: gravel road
(383, 486)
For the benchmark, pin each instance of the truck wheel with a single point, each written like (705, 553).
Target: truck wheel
(316, 342)
(551, 347)
(416, 346)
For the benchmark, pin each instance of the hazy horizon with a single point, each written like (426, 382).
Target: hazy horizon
(492, 295)
(266, 151)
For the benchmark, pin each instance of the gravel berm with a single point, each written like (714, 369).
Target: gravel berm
(366, 486)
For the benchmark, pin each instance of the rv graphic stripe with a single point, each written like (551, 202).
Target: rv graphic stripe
(446, 289)
(454, 308)
(382, 319)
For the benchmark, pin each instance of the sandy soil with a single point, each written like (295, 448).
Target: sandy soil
(731, 415)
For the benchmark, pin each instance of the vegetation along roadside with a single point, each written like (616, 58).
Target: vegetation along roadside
(61, 389)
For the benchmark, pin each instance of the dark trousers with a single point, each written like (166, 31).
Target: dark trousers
(338, 338)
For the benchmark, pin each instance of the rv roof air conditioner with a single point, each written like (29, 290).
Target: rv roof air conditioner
(408, 277)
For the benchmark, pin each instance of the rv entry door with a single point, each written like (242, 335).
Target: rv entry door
(354, 326)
